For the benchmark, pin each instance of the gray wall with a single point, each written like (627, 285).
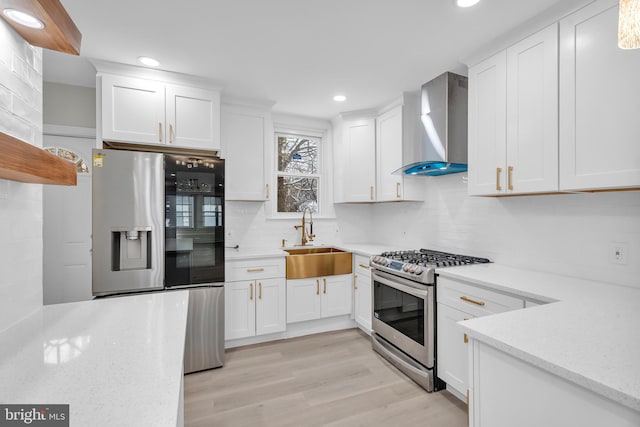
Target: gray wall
(68, 105)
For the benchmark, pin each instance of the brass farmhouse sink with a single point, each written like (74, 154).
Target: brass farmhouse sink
(317, 262)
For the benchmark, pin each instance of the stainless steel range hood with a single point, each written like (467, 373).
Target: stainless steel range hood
(441, 145)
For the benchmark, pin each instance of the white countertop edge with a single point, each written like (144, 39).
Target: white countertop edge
(571, 376)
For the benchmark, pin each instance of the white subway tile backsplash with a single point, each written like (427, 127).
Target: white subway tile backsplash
(567, 234)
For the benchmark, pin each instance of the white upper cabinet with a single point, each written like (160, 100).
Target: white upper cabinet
(193, 117)
(599, 102)
(136, 110)
(532, 113)
(244, 132)
(370, 149)
(389, 155)
(132, 110)
(359, 162)
(513, 119)
(488, 125)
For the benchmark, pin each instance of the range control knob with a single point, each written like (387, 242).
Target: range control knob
(418, 271)
(406, 267)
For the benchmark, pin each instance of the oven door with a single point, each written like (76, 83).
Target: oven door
(403, 315)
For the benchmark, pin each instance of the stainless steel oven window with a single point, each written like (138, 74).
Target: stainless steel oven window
(403, 315)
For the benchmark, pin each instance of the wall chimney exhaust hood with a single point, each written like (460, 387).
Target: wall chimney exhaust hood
(441, 144)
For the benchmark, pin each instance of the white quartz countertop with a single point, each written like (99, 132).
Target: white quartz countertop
(588, 336)
(115, 361)
(255, 252)
(250, 253)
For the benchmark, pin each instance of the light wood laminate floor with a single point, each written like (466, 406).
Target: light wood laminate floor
(329, 379)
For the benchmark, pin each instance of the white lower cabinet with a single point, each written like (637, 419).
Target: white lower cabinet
(318, 297)
(452, 346)
(458, 301)
(255, 308)
(362, 301)
(255, 299)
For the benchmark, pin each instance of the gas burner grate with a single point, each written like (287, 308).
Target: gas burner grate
(427, 257)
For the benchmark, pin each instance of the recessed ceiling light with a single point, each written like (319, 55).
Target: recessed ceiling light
(339, 98)
(466, 3)
(149, 62)
(23, 18)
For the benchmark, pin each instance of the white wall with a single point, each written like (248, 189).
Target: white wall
(567, 234)
(69, 105)
(20, 204)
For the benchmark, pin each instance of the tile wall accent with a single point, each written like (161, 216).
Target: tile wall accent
(20, 204)
(247, 225)
(566, 234)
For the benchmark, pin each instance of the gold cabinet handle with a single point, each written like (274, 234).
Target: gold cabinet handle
(254, 270)
(467, 299)
(371, 193)
(498, 172)
(466, 338)
(250, 291)
(317, 286)
(259, 290)
(355, 285)
(159, 131)
(364, 266)
(509, 173)
(398, 190)
(266, 196)
(324, 291)
(170, 134)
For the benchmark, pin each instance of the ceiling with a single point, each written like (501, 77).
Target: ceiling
(297, 53)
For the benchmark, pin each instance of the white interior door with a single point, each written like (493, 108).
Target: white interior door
(67, 230)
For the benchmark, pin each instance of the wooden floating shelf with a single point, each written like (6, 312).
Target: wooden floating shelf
(24, 162)
(59, 33)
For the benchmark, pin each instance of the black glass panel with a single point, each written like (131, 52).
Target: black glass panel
(194, 220)
(400, 310)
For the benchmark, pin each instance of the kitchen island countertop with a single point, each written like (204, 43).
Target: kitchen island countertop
(587, 336)
(115, 361)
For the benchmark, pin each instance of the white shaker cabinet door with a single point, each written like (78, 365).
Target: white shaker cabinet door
(303, 299)
(359, 176)
(363, 302)
(532, 113)
(193, 118)
(389, 155)
(452, 349)
(487, 126)
(271, 306)
(336, 295)
(243, 134)
(599, 102)
(240, 309)
(133, 110)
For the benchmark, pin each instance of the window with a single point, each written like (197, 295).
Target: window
(212, 211)
(184, 211)
(298, 172)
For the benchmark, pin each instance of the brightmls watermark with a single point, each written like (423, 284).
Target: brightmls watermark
(34, 415)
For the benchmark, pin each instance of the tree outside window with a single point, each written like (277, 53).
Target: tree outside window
(298, 172)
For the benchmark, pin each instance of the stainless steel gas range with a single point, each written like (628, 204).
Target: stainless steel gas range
(404, 287)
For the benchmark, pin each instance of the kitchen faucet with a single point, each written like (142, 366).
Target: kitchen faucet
(306, 237)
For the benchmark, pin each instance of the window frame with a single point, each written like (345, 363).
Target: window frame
(279, 173)
(321, 175)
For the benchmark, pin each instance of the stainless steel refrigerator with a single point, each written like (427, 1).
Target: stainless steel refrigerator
(158, 225)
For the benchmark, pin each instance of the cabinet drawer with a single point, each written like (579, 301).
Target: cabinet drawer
(361, 265)
(473, 299)
(250, 269)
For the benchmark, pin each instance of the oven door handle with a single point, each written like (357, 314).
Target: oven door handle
(401, 285)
